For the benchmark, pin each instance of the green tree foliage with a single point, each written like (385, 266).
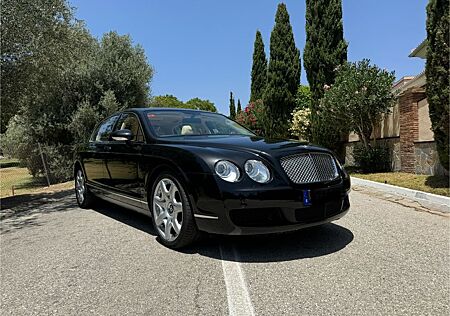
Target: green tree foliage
(55, 76)
(359, 97)
(166, 101)
(232, 107)
(39, 39)
(371, 159)
(87, 115)
(84, 120)
(259, 69)
(108, 104)
(437, 73)
(17, 142)
(199, 104)
(25, 27)
(170, 101)
(303, 97)
(283, 74)
(239, 107)
(123, 68)
(325, 49)
(301, 117)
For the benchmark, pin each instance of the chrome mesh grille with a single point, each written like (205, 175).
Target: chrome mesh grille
(310, 167)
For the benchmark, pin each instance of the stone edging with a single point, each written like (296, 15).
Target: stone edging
(440, 202)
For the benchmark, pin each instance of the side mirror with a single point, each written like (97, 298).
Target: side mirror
(122, 134)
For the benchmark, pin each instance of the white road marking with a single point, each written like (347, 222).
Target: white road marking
(239, 303)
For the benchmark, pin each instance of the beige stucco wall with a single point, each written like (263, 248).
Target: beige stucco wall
(389, 126)
(425, 132)
(392, 127)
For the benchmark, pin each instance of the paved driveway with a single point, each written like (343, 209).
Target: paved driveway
(382, 258)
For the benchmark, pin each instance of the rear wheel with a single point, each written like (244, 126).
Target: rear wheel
(85, 198)
(172, 213)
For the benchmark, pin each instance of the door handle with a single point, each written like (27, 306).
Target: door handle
(107, 147)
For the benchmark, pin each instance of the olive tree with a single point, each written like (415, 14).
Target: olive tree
(359, 97)
(55, 76)
(199, 104)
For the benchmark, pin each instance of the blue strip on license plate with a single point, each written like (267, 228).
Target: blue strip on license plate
(307, 198)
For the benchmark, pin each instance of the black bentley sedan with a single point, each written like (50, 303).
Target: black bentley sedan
(193, 171)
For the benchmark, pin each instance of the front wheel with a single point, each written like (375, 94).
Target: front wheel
(172, 213)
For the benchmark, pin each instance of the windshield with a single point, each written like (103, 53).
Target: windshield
(192, 123)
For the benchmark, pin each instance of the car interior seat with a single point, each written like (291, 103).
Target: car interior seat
(187, 130)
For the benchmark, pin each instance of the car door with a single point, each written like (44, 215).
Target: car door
(97, 149)
(122, 163)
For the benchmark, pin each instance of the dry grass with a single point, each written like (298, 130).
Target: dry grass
(24, 183)
(431, 184)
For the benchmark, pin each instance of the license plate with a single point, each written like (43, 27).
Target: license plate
(307, 198)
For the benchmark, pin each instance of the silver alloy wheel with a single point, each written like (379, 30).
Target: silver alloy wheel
(167, 209)
(80, 186)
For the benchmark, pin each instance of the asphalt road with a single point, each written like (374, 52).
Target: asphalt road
(381, 259)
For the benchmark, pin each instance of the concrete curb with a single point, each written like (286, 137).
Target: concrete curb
(440, 202)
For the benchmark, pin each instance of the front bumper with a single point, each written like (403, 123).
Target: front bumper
(257, 210)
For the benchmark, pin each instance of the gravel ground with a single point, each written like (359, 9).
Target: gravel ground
(381, 259)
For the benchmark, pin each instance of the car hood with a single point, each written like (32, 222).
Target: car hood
(276, 147)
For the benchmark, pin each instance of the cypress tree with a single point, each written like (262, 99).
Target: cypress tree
(259, 69)
(325, 50)
(325, 47)
(232, 107)
(239, 108)
(283, 75)
(437, 73)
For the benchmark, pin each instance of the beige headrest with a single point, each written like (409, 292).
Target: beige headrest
(186, 130)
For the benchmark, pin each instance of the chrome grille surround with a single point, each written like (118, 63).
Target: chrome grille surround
(310, 167)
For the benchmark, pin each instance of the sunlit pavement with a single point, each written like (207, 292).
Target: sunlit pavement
(382, 258)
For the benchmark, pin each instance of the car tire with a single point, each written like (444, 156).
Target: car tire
(171, 212)
(85, 198)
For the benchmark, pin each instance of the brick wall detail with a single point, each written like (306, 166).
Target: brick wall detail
(409, 126)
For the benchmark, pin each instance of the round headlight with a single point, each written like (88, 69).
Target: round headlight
(257, 171)
(227, 171)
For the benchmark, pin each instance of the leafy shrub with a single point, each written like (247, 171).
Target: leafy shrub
(17, 143)
(372, 158)
(59, 160)
(253, 117)
(83, 121)
(356, 102)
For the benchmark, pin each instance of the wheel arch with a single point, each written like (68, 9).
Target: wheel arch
(171, 167)
(77, 164)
